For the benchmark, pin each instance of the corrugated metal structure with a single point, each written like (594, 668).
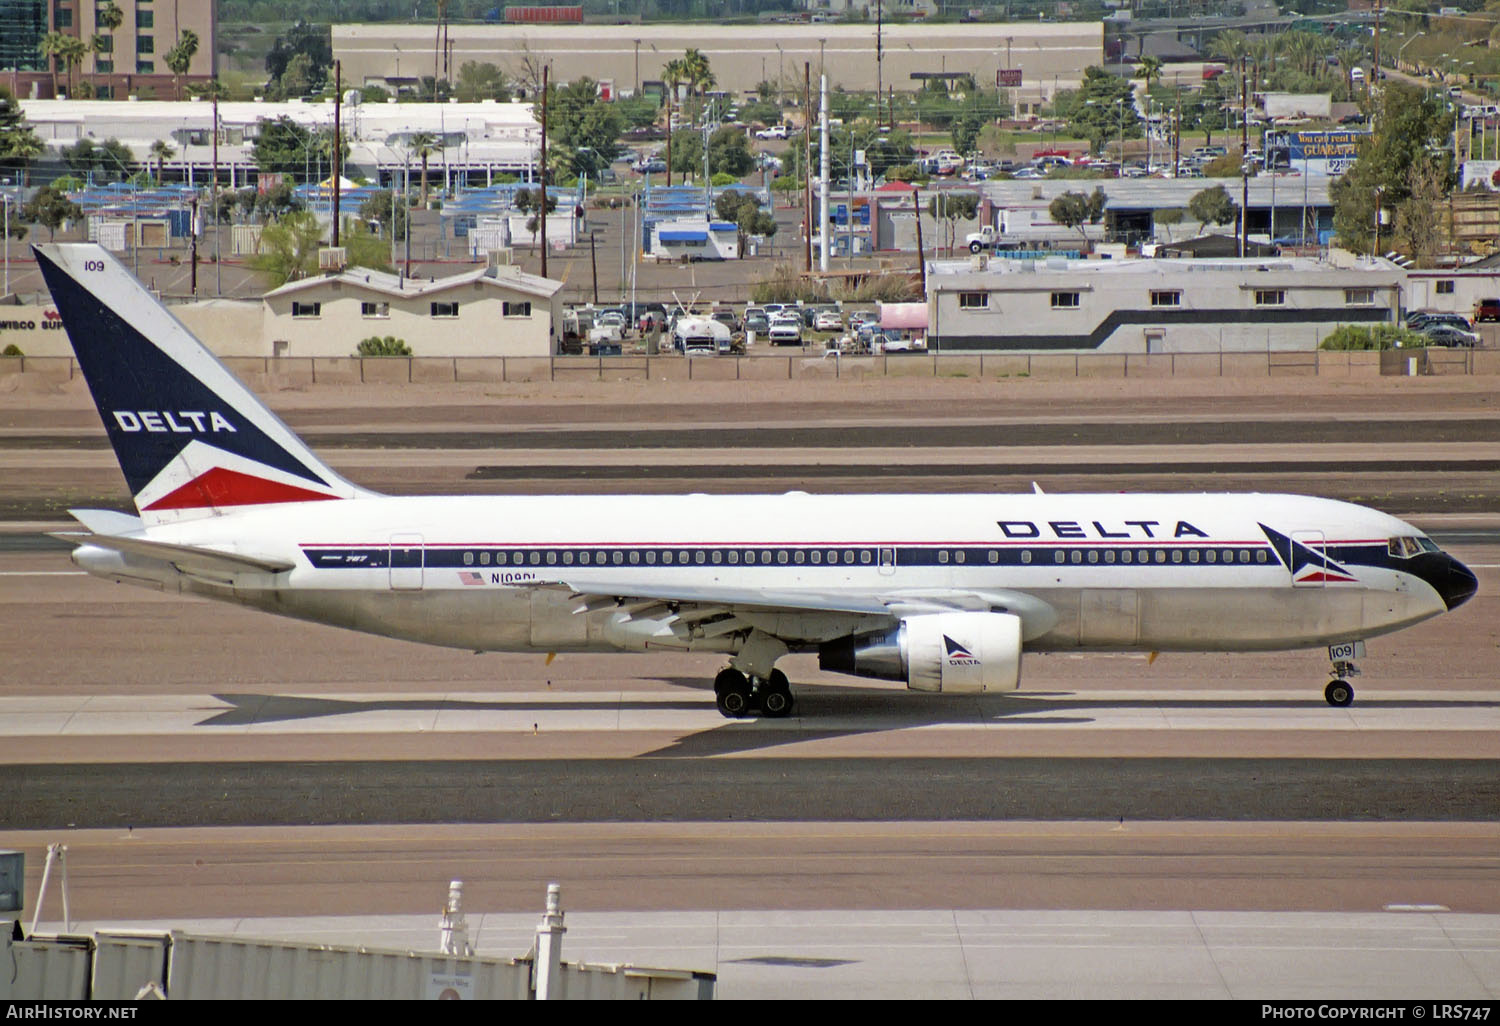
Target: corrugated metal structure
(127, 965)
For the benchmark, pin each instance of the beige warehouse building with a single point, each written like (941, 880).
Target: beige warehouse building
(1050, 55)
(495, 311)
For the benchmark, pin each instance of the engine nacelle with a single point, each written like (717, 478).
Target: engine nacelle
(957, 653)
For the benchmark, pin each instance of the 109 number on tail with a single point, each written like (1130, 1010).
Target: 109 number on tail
(93, 265)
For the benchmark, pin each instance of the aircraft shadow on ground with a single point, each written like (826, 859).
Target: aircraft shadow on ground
(866, 712)
(249, 709)
(855, 711)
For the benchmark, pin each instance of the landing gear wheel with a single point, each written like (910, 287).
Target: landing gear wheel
(734, 702)
(728, 678)
(776, 696)
(1339, 693)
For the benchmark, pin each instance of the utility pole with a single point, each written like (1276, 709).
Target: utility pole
(823, 176)
(594, 267)
(1244, 162)
(879, 41)
(193, 255)
(218, 228)
(807, 218)
(542, 214)
(916, 202)
(338, 143)
(671, 88)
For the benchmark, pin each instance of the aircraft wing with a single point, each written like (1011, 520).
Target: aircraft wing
(713, 600)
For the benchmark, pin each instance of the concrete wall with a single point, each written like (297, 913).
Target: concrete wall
(261, 372)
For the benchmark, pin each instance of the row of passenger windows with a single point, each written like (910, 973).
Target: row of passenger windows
(675, 557)
(1153, 556)
(845, 557)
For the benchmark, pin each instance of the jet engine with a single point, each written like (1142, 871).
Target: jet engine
(956, 653)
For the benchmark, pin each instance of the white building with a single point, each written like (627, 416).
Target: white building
(691, 238)
(1154, 306)
(479, 140)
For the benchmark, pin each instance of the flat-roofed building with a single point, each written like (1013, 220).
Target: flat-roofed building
(477, 140)
(1049, 55)
(1155, 306)
(494, 311)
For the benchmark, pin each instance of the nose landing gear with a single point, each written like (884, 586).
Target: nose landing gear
(1339, 691)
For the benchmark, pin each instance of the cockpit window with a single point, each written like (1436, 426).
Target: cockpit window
(1403, 548)
(1428, 545)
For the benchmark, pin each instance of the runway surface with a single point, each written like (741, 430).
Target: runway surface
(212, 764)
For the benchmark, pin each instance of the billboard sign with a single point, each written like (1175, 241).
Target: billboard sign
(1321, 152)
(1008, 78)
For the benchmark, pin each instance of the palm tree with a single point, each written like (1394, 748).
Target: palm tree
(1149, 70)
(424, 145)
(51, 47)
(22, 148)
(180, 58)
(437, 45)
(74, 52)
(161, 152)
(109, 18)
(1230, 46)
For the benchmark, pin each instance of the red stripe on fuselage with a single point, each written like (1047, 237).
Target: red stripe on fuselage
(222, 487)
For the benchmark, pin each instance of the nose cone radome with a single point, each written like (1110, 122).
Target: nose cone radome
(1456, 583)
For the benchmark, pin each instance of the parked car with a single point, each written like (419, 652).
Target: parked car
(651, 166)
(786, 330)
(828, 320)
(1487, 310)
(728, 319)
(774, 132)
(1448, 335)
(758, 322)
(1423, 319)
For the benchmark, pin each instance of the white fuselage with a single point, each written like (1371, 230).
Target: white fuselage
(1107, 571)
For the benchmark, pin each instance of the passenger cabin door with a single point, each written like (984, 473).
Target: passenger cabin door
(1313, 573)
(406, 562)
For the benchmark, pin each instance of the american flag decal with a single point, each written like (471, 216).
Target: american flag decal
(469, 577)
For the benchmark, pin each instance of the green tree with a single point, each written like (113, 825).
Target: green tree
(180, 57)
(391, 214)
(50, 209)
(478, 81)
(161, 152)
(583, 126)
(51, 47)
(1212, 206)
(1148, 70)
(390, 345)
(315, 42)
(281, 146)
(289, 248)
(745, 211)
(424, 145)
(111, 159)
(965, 130)
(952, 207)
(1074, 210)
(1103, 108)
(1410, 128)
(19, 145)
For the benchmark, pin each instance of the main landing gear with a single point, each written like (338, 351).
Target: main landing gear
(738, 695)
(1339, 691)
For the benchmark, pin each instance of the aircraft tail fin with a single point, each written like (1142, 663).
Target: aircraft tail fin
(192, 440)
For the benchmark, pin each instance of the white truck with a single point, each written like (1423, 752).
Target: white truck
(983, 240)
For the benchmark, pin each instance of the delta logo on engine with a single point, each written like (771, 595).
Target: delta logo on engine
(958, 655)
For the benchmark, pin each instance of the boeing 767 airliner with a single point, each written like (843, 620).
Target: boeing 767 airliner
(940, 592)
